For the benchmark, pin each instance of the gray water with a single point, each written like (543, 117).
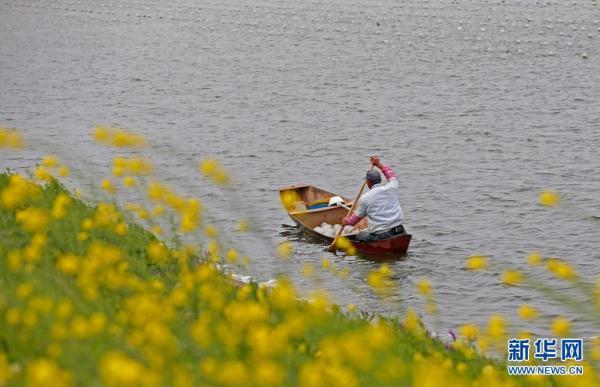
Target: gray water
(477, 105)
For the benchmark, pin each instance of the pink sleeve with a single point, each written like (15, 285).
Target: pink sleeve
(353, 219)
(388, 172)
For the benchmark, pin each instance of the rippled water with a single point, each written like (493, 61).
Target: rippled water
(477, 105)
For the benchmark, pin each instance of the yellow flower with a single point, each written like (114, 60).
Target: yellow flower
(380, 280)
(528, 312)
(24, 290)
(44, 372)
(33, 219)
(50, 161)
(97, 322)
(269, 373)
(512, 277)
(59, 208)
(284, 250)
(189, 223)
(13, 316)
(118, 137)
(118, 369)
(343, 243)
(18, 190)
(121, 229)
(10, 139)
(5, 369)
(107, 185)
(534, 259)
(158, 252)
(129, 181)
(68, 264)
(101, 134)
(561, 269)
(208, 166)
(412, 323)
(211, 231)
(139, 166)
(595, 349)
(213, 169)
(469, 332)
(476, 262)
(549, 198)
(63, 171)
(424, 287)
(232, 255)
(496, 326)
(232, 373)
(289, 199)
(561, 327)
(87, 224)
(41, 173)
(117, 171)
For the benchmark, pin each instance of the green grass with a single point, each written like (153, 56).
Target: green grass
(150, 326)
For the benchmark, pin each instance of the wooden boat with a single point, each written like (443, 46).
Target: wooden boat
(308, 207)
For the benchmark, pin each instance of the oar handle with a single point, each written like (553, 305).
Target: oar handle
(362, 187)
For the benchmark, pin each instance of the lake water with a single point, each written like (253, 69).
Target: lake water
(477, 105)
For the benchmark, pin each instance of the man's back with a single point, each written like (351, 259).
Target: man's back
(381, 206)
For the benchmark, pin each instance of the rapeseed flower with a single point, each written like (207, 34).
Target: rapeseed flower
(561, 269)
(214, 170)
(19, 189)
(10, 139)
(424, 287)
(380, 280)
(284, 250)
(528, 312)
(59, 208)
(512, 277)
(42, 173)
(534, 259)
(561, 327)
(129, 181)
(50, 161)
(476, 262)
(469, 332)
(33, 219)
(107, 185)
(549, 198)
(117, 137)
(43, 372)
(118, 369)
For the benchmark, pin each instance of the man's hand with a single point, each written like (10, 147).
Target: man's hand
(376, 162)
(345, 222)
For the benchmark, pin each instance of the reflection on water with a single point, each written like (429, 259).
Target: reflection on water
(477, 106)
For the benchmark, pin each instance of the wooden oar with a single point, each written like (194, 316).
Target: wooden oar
(333, 248)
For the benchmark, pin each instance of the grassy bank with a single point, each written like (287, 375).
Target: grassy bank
(89, 298)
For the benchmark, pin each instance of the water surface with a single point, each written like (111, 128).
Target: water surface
(477, 105)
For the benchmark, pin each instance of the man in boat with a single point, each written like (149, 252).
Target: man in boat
(380, 205)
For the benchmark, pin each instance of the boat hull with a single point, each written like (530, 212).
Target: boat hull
(308, 219)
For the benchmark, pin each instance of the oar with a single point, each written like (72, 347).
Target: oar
(332, 247)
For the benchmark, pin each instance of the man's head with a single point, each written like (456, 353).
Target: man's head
(373, 177)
